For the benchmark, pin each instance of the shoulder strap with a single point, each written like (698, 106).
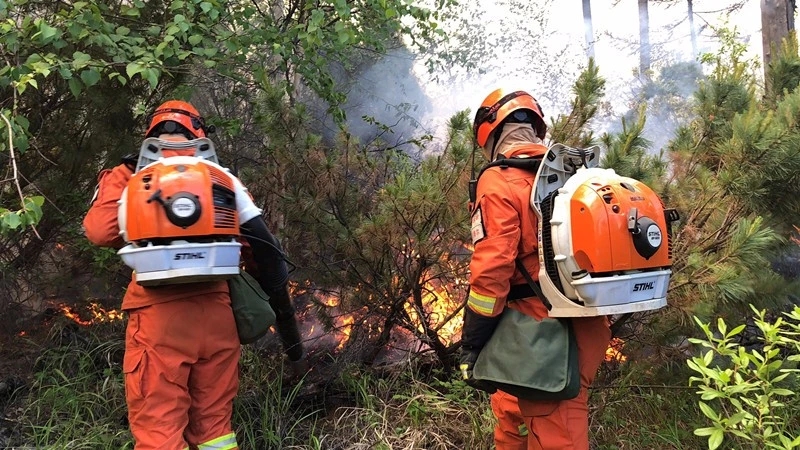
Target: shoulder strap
(529, 164)
(534, 285)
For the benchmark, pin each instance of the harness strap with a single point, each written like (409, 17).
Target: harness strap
(534, 285)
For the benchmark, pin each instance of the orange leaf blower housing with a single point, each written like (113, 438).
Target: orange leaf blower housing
(599, 208)
(604, 244)
(190, 200)
(179, 215)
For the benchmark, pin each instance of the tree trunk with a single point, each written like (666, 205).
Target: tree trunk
(644, 39)
(587, 27)
(777, 19)
(692, 30)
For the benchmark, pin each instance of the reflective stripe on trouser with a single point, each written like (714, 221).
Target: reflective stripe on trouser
(564, 425)
(226, 442)
(181, 371)
(510, 432)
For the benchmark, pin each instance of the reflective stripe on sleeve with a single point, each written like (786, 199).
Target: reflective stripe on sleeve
(481, 303)
(226, 442)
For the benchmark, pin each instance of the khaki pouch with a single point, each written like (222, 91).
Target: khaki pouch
(251, 308)
(530, 359)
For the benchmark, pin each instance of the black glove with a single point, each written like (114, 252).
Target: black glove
(131, 160)
(467, 362)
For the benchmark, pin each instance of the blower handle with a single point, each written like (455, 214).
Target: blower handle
(156, 197)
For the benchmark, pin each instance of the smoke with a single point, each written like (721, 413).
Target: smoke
(385, 101)
(539, 47)
(675, 69)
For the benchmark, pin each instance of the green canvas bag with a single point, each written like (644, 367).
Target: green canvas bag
(251, 308)
(530, 359)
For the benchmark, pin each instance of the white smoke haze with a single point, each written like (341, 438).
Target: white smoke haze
(539, 47)
(385, 100)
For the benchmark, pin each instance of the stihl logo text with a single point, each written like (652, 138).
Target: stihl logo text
(643, 286)
(182, 256)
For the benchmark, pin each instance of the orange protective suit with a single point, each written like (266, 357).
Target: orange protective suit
(511, 431)
(181, 347)
(505, 227)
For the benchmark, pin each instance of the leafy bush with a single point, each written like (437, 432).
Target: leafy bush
(748, 394)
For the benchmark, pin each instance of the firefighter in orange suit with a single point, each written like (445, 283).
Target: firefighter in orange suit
(504, 227)
(181, 345)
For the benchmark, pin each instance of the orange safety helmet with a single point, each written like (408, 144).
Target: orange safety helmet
(177, 116)
(497, 108)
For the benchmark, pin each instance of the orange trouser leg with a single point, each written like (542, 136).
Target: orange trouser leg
(169, 347)
(510, 433)
(214, 381)
(564, 425)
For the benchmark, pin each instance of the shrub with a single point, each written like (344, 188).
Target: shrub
(748, 394)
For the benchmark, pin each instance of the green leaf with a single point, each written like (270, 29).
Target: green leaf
(206, 6)
(735, 331)
(708, 412)
(22, 122)
(708, 357)
(195, 39)
(75, 86)
(721, 326)
(33, 210)
(133, 68)
(715, 440)
(780, 391)
(704, 431)
(65, 73)
(47, 33)
(21, 142)
(131, 11)
(12, 220)
(151, 75)
(90, 77)
(80, 60)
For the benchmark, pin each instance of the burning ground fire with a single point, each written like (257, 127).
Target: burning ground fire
(614, 351)
(437, 302)
(97, 314)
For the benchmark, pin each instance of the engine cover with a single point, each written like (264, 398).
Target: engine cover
(179, 216)
(603, 239)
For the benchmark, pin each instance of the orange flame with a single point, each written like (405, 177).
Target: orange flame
(439, 306)
(98, 314)
(614, 351)
(345, 329)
